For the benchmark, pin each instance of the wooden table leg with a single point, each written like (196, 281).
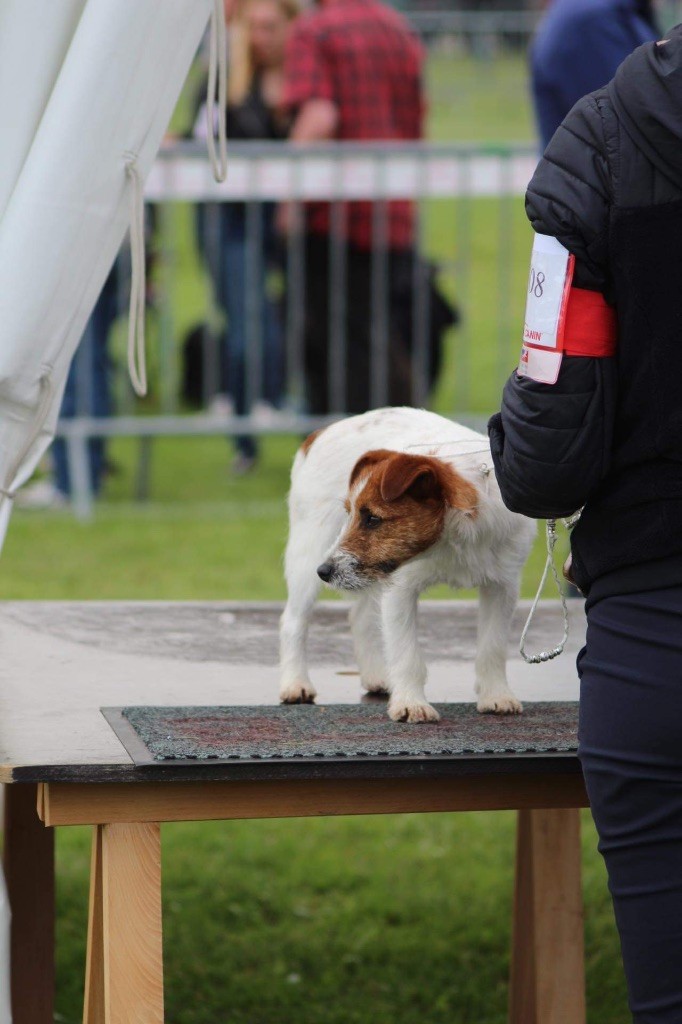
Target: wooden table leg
(125, 957)
(548, 960)
(93, 1009)
(29, 872)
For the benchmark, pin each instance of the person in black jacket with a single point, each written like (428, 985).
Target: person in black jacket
(607, 438)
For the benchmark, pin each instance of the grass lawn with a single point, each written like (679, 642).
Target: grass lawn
(392, 920)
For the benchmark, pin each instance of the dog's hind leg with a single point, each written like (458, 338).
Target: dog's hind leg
(365, 624)
(308, 543)
(496, 605)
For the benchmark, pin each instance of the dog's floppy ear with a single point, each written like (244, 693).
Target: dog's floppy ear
(425, 478)
(459, 493)
(367, 460)
(410, 473)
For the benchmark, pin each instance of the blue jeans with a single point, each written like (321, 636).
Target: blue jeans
(238, 268)
(87, 387)
(631, 754)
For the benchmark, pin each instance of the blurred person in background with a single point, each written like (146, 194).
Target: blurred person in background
(354, 72)
(86, 393)
(258, 31)
(577, 49)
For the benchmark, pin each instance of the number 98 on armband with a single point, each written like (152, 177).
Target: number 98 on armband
(549, 286)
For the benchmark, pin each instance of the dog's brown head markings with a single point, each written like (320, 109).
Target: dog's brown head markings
(397, 505)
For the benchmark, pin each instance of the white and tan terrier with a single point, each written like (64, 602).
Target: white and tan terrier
(384, 505)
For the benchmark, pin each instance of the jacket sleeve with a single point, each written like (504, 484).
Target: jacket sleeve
(552, 450)
(569, 196)
(551, 443)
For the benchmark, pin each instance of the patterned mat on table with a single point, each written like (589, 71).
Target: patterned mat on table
(346, 730)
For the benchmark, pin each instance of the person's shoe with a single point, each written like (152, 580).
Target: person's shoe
(242, 464)
(267, 415)
(41, 495)
(221, 406)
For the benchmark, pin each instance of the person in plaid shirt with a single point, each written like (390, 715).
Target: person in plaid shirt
(353, 71)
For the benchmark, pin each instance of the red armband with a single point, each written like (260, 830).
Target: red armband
(590, 327)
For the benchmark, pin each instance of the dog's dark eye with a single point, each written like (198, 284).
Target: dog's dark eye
(369, 521)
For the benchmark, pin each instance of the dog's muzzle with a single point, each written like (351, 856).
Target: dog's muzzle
(342, 571)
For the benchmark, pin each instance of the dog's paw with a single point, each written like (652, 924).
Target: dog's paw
(374, 685)
(500, 704)
(298, 692)
(402, 712)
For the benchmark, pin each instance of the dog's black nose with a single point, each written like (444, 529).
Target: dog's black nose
(325, 571)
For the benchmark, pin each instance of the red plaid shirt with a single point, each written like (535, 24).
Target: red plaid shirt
(363, 57)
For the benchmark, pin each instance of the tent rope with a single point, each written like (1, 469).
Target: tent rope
(217, 68)
(137, 364)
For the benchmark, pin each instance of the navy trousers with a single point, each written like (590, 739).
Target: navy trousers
(631, 753)
(87, 391)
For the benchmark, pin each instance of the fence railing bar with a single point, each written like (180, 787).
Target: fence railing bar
(212, 352)
(295, 306)
(420, 315)
(473, 22)
(462, 242)
(163, 284)
(203, 425)
(249, 363)
(299, 152)
(379, 319)
(379, 368)
(504, 287)
(337, 376)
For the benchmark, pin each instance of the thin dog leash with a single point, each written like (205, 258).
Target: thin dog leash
(542, 656)
(484, 468)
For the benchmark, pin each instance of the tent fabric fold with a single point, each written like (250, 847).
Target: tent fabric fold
(35, 35)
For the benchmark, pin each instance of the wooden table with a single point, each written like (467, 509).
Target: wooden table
(63, 661)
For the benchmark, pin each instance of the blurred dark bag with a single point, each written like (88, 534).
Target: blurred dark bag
(415, 286)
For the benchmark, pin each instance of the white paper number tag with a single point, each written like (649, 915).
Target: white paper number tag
(551, 273)
(540, 364)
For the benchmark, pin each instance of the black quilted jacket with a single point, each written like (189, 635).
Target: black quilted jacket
(608, 434)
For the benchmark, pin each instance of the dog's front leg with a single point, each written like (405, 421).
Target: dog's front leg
(497, 602)
(406, 666)
(295, 686)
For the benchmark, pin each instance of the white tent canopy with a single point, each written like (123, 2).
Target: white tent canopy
(87, 88)
(103, 98)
